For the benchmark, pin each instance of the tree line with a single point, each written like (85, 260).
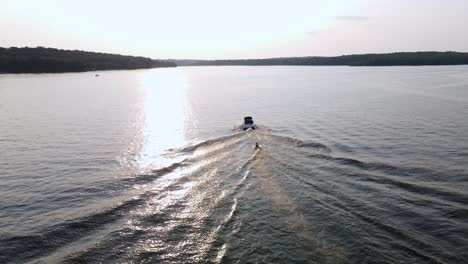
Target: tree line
(387, 59)
(50, 60)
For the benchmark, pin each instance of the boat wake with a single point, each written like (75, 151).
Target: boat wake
(224, 200)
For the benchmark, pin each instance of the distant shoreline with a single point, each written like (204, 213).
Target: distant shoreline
(429, 58)
(89, 71)
(49, 60)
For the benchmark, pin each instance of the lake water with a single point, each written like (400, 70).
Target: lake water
(357, 165)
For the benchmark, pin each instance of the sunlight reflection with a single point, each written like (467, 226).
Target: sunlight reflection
(165, 106)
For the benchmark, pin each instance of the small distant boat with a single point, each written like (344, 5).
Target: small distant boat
(248, 123)
(97, 75)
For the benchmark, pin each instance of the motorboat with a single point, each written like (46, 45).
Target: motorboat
(248, 123)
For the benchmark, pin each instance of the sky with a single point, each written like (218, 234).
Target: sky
(209, 29)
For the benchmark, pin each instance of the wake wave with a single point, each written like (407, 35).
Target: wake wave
(208, 143)
(218, 190)
(295, 142)
(33, 245)
(393, 175)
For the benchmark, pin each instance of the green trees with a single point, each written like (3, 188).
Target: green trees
(389, 59)
(42, 60)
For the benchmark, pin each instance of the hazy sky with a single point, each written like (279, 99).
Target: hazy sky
(203, 29)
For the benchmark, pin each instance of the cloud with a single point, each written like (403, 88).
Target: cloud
(312, 33)
(352, 18)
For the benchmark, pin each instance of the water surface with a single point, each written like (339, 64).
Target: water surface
(357, 165)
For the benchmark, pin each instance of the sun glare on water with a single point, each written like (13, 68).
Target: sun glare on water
(164, 112)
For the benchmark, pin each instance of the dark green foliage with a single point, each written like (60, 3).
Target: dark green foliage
(40, 60)
(389, 59)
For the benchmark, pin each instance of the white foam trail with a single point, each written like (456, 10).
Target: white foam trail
(246, 174)
(214, 234)
(221, 254)
(231, 213)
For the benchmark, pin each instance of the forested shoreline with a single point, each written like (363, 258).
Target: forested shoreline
(384, 59)
(50, 60)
